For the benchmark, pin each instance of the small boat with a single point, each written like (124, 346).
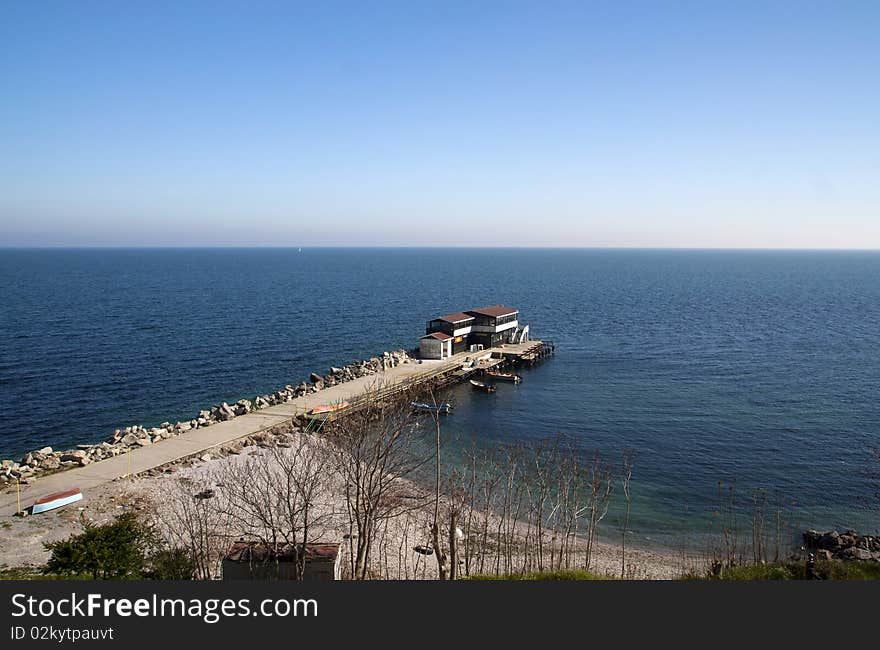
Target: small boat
(504, 376)
(483, 386)
(56, 500)
(444, 408)
(328, 408)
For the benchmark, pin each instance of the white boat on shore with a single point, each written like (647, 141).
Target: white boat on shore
(56, 500)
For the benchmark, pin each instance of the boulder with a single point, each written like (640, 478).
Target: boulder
(830, 541)
(45, 451)
(129, 439)
(853, 553)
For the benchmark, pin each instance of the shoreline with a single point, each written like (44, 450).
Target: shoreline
(136, 438)
(23, 538)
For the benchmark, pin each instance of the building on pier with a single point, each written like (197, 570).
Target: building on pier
(471, 330)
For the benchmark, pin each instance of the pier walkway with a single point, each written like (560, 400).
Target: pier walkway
(202, 440)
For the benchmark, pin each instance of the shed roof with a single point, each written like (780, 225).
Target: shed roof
(455, 318)
(494, 311)
(440, 336)
(254, 551)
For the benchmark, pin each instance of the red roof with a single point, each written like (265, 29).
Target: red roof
(456, 318)
(494, 311)
(250, 551)
(440, 336)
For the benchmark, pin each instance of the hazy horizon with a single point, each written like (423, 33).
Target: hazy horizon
(561, 124)
(427, 247)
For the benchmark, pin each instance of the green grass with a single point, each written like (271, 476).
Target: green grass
(797, 571)
(22, 573)
(542, 575)
(34, 573)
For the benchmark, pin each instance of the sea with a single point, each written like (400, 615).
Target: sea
(744, 372)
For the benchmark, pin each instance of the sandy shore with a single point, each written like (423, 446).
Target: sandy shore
(22, 539)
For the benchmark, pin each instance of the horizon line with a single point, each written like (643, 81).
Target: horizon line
(420, 247)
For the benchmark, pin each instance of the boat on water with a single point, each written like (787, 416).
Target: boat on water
(504, 376)
(483, 386)
(56, 500)
(328, 408)
(444, 408)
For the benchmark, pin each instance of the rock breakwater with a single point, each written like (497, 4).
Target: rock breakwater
(47, 460)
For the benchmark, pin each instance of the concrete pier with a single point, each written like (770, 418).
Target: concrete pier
(201, 440)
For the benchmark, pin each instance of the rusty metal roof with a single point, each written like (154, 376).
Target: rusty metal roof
(254, 551)
(494, 311)
(455, 318)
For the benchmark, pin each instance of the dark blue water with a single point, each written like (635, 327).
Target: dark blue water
(755, 367)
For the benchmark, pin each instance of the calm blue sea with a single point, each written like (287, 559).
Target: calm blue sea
(755, 367)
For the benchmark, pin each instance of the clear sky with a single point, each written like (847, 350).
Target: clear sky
(691, 124)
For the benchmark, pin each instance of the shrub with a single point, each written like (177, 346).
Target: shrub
(171, 564)
(114, 551)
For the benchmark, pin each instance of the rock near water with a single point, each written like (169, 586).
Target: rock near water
(45, 459)
(846, 545)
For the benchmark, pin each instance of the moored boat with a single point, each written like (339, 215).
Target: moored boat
(328, 408)
(483, 386)
(444, 408)
(504, 376)
(56, 500)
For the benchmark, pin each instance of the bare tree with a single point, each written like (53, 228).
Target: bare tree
(435, 525)
(600, 486)
(625, 478)
(376, 447)
(275, 495)
(187, 518)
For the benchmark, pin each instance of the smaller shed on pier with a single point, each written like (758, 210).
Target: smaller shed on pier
(436, 345)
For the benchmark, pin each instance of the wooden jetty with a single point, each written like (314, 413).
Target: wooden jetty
(529, 352)
(439, 374)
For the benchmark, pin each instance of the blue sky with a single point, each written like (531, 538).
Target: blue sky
(681, 124)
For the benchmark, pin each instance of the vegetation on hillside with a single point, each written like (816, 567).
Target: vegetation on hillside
(126, 548)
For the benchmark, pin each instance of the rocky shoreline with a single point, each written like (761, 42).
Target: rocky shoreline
(46, 460)
(848, 545)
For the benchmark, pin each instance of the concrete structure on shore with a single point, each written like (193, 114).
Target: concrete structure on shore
(254, 560)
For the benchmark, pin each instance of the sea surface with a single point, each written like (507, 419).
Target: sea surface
(754, 368)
